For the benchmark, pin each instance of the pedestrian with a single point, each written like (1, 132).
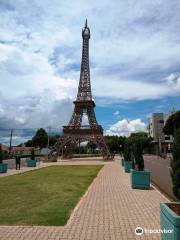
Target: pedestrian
(18, 162)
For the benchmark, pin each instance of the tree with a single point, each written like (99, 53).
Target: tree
(40, 139)
(175, 164)
(138, 153)
(32, 154)
(115, 143)
(144, 138)
(1, 154)
(53, 140)
(172, 124)
(29, 143)
(127, 150)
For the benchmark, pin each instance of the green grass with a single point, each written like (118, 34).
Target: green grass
(44, 196)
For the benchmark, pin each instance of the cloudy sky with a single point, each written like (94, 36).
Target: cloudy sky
(134, 58)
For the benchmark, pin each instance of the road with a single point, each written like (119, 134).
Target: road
(160, 173)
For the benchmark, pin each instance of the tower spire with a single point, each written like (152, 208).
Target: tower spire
(84, 90)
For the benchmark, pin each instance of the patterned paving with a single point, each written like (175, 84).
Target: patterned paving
(110, 210)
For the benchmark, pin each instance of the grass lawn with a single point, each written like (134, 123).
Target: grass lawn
(44, 196)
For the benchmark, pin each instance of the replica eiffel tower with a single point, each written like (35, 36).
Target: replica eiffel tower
(75, 132)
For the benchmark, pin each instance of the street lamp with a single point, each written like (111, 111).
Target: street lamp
(120, 146)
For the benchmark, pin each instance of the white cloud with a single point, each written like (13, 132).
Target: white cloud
(173, 81)
(131, 41)
(35, 112)
(132, 49)
(129, 90)
(31, 72)
(32, 94)
(116, 113)
(125, 127)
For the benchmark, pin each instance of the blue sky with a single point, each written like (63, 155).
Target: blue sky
(134, 58)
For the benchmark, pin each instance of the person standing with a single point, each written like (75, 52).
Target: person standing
(18, 162)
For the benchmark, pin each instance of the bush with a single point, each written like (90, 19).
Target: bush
(1, 154)
(32, 154)
(175, 164)
(138, 154)
(172, 124)
(127, 150)
(114, 143)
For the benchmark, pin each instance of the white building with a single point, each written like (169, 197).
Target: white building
(161, 141)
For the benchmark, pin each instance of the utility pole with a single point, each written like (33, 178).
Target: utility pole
(10, 143)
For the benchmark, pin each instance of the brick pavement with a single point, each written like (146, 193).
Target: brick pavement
(110, 210)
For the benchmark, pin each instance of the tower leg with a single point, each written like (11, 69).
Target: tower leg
(103, 148)
(58, 148)
(65, 145)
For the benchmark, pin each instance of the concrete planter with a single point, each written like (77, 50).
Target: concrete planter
(31, 163)
(127, 166)
(122, 162)
(3, 167)
(170, 222)
(140, 179)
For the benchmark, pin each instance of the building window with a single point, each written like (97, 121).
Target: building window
(161, 121)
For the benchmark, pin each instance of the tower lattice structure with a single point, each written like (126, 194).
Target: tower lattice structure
(76, 132)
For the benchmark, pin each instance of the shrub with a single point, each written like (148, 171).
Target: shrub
(127, 150)
(138, 154)
(1, 154)
(172, 124)
(32, 154)
(175, 164)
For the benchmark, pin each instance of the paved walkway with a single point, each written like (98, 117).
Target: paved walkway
(110, 210)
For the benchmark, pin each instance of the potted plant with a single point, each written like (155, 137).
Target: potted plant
(127, 156)
(32, 162)
(140, 178)
(3, 166)
(170, 212)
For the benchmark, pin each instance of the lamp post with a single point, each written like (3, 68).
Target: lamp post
(120, 147)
